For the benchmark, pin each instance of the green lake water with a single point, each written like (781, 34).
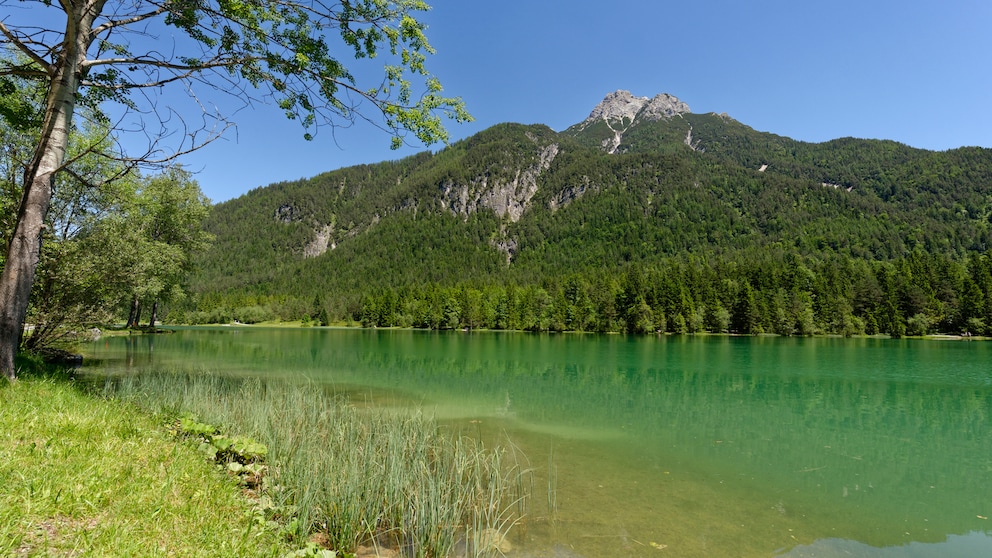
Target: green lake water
(674, 446)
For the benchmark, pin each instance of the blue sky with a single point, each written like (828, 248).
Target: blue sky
(913, 71)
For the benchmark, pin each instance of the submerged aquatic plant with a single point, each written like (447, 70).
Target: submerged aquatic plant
(358, 476)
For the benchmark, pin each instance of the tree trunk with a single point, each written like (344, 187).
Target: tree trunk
(24, 249)
(154, 316)
(135, 315)
(23, 252)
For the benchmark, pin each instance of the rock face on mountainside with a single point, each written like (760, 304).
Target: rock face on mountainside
(506, 197)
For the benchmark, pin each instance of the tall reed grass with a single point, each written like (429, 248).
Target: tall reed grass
(359, 476)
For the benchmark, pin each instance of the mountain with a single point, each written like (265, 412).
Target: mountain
(642, 217)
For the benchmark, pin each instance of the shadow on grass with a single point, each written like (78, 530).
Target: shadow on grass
(54, 365)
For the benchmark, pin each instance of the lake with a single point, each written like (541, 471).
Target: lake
(685, 446)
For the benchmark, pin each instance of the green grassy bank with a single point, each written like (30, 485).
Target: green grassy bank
(85, 476)
(107, 469)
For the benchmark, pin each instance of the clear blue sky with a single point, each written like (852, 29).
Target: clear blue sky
(914, 71)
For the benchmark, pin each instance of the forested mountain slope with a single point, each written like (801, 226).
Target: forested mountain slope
(643, 217)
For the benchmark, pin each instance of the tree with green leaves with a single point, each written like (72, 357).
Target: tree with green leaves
(71, 289)
(94, 52)
(78, 282)
(163, 229)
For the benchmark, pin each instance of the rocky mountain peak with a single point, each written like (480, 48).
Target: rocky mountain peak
(623, 106)
(664, 105)
(621, 110)
(619, 105)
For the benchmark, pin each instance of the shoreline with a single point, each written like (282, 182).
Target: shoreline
(345, 326)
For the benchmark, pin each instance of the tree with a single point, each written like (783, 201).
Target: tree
(79, 279)
(72, 288)
(110, 51)
(163, 229)
(745, 317)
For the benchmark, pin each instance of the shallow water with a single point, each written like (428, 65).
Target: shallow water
(681, 446)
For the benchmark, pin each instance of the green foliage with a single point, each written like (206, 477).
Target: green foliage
(20, 99)
(314, 550)
(130, 238)
(165, 225)
(285, 49)
(239, 455)
(294, 54)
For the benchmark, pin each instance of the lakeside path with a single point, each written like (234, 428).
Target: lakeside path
(84, 476)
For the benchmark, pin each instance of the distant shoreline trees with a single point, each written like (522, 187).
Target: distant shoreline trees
(795, 296)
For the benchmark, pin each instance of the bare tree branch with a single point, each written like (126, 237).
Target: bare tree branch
(219, 62)
(24, 48)
(112, 24)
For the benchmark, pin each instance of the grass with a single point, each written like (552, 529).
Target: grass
(354, 476)
(80, 475)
